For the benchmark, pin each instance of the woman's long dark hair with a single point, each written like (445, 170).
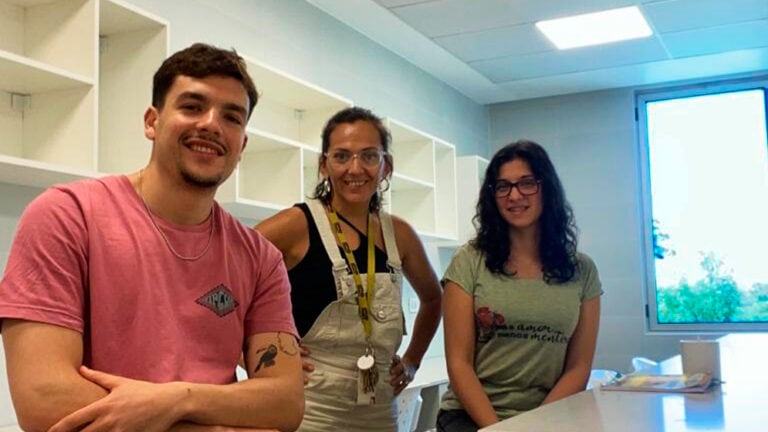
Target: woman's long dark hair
(557, 245)
(352, 115)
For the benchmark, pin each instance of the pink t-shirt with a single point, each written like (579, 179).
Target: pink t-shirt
(87, 257)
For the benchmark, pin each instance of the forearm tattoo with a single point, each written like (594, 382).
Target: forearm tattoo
(287, 343)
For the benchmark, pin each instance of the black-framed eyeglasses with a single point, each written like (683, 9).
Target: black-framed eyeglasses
(370, 157)
(526, 187)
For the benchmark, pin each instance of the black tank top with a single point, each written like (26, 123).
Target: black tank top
(312, 284)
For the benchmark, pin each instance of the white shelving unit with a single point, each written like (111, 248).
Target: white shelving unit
(71, 73)
(279, 165)
(310, 159)
(423, 189)
(47, 88)
(132, 45)
(446, 220)
(472, 172)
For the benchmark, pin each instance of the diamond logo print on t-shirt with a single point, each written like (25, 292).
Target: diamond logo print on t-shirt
(220, 300)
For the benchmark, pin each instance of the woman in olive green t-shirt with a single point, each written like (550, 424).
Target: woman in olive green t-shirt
(521, 305)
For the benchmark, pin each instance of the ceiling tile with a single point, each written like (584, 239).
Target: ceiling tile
(458, 42)
(643, 74)
(449, 17)
(733, 37)
(677, 15)
(569, 61)
(500, 42)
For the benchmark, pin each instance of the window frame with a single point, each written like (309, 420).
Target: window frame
(642, 98)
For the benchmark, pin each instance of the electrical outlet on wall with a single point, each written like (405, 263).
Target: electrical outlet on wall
(413, 304)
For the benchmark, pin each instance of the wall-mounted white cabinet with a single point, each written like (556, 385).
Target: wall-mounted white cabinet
(471, 171)
(423, 189)
(76, 78)
(58, 89)
(47, 88)
(310, 159)
(446, 221)
(279, 165)
(132, 45)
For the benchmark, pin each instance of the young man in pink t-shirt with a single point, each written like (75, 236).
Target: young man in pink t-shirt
(127, 301)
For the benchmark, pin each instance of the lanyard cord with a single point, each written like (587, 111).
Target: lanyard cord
(364, 297)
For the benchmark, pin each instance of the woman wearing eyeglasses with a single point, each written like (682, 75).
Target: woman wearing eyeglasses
(521, 305)
(346, 259)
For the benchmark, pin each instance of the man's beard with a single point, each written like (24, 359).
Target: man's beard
(201, 182)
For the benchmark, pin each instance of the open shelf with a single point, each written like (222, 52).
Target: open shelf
(59, 33)
(423, 190)
(414, 202)
(132, 45)
(54, 127)
(310, 158)
(269, 176)
(279, 165)
(32, 173)
(290, 107)
(471, 171)
(250, 209)
(412, 152)
(445, 190)
(25, 76)
(47, 90)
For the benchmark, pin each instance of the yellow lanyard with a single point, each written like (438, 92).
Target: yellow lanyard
(364, 297)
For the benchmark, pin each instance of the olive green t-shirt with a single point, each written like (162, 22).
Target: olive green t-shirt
(522, 329)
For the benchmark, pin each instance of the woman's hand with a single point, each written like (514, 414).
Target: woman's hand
(401, 373)
(306, 365)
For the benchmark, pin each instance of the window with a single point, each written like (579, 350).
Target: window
(705, 178)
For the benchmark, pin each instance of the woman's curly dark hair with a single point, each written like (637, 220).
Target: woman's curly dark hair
(557, 246)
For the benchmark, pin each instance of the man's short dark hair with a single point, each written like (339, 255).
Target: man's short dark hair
(200, 61)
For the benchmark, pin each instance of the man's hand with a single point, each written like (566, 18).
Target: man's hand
(191, 427)
(306, 365)
(131, 405)
(401, 373)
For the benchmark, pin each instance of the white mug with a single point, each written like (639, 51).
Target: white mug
(701, 356)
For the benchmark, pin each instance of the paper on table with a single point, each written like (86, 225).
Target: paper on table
(696, 383)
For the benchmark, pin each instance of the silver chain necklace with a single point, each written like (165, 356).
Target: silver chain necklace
(162, 234)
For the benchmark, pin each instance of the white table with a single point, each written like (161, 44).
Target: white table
(739, 405)
(430, 380)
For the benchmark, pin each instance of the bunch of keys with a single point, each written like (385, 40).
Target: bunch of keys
(368, 370)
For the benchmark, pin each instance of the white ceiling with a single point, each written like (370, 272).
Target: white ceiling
(491, 51)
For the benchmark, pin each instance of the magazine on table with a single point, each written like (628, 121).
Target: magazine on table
(695, 383)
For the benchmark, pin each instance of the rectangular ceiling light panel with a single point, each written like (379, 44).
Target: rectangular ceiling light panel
(596, 28)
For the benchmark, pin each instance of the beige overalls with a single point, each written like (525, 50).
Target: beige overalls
(336, 340)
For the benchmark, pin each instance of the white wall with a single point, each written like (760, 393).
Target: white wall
(592, 140)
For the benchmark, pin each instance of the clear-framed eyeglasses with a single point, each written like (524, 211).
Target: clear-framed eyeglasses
(369, 158)
(526, 187)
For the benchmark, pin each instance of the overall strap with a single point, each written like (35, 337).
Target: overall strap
(388, 230)
(329, 242)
